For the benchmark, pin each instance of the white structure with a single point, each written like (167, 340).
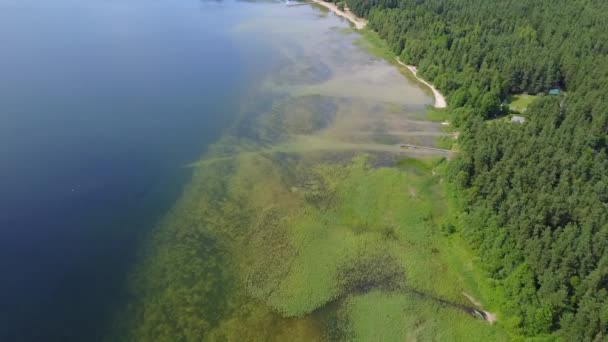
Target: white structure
(518, 119)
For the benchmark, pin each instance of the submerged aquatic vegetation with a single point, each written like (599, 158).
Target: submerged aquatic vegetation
(271, 249)
(291, 229)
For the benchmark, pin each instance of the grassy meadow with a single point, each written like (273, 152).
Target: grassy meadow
(519, 103)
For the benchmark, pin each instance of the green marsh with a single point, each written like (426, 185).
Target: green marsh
(306, 221)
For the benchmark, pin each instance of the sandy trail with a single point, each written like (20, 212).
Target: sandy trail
(440, 101)
(489, 317)
(358, 22)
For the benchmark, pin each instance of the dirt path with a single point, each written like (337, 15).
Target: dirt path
(488, 316)
(440, 101)
(474, 311)
(358, 22)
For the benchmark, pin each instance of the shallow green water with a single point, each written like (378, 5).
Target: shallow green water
(299, 224)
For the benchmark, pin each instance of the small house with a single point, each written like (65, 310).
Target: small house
(518, 119)
(554, 92)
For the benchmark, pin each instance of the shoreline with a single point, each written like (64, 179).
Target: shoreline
(255, 176)
(359, 23)
(440, 101)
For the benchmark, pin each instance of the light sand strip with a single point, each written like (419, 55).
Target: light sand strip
(358, 22)
(439, 98)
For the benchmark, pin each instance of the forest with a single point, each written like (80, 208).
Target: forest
(533, 197)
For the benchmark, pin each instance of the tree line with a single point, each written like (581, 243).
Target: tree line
(534, 197)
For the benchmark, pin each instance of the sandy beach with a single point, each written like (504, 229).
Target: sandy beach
(440, 101)
(358, 22)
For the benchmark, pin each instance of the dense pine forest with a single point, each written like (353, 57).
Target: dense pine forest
(533, 196)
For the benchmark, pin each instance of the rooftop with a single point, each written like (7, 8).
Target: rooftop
(518, 119)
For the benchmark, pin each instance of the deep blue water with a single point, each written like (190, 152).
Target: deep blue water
(101, 104)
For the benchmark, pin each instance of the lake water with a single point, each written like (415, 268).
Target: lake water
(104, 104)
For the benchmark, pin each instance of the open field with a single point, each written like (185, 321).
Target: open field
(519, 103)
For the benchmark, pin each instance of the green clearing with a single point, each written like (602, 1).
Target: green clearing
(519, 103)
